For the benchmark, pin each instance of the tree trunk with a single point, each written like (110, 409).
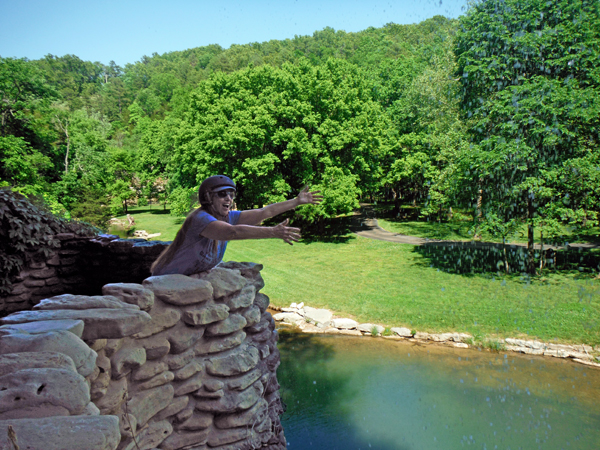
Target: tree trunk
(530, 243)
(506, 267)
(542, 258)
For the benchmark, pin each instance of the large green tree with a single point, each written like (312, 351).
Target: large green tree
(530, 95)
(274, 130)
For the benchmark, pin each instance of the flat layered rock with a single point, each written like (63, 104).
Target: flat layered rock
(322, 316)
(13, 362)
(183, 337)
(70, 301)
(292, 318)
(224, 281)
(161, 321)
(232, 401)
(230, 325)
(61, 433)
(185, 439)
(144, 405)
(204, 316)
(254, 415)
(370, 328)
(149, 437)
(64, 342)
(344, 324)
(242, 299)
(132, 293)
(179, 290)
(99, 323)
(401, 331)
(43, 326)
(252, 315)
(242, 360)
(262, 301)
(218, 344)
(33, 393)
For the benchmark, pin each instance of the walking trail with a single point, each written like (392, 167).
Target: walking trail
(365, 225)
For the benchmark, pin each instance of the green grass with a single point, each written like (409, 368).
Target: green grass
(393, 285)
(154, 219)
(397, 285)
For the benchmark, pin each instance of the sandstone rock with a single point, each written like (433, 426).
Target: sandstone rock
(255, 415)
(213, 385)
(232, 401)
(197, 421)
(179, 289)
(224, 281)
(350, 332)
(149, 370)
(158, 380)
(252, 315)
(289, 317)
(183, 337)
(132, 293)
(91, 410)
(176, 362)
(219, 344)
(99, 323)
(13, 362)
(322, 316)
(127, 425)
(97, 344)
(156, 346)
(206, 315)
(149, 437)
(422, 336)
(62, 433)
(78, 302)
(112, 346)
(128, 358)
(32, 393)
(242, 382)
(175, 407)
(160, 321)
(241, 360)
(74, 326)
(401, 331)
(233, 323)
(190, 385)
(262, 301)
(114, 397)
(242, 299)
(144, 405)
(53, 341)
(180, 440)
(218, 438)
(344, 324)
(261, 326)
(189, 370)
(247, 269)
(368, 328)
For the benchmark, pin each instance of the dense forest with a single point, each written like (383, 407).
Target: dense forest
(497, 112)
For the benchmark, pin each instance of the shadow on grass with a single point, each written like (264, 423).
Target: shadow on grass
(480, 257)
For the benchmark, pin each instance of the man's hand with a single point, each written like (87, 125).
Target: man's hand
(305, 197)
(288, 234)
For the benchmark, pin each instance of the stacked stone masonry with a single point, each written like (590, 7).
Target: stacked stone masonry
(175, 362)
(80, 265)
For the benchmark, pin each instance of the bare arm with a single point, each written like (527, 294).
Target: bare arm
(256, 216)
(223, 231)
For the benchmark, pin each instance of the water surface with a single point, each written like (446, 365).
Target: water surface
(370, 393)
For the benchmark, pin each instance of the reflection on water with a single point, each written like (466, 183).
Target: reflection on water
(365, 393)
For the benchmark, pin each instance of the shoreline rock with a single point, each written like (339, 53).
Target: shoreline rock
(322, 321)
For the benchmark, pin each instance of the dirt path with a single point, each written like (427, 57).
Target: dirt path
(365, 225)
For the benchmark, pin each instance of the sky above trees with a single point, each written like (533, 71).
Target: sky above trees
(126, 31)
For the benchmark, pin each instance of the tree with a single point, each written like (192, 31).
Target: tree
(275, 130)
(530, 94)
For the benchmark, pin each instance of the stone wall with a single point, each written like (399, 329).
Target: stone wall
(173, 363)
(81, 265)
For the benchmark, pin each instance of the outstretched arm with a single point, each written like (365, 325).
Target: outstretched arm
(223, 231)
(256, 216)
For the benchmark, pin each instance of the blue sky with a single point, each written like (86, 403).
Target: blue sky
(126, 30)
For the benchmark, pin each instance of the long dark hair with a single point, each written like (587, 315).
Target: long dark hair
(168, 253)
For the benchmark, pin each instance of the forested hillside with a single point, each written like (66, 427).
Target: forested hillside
(497, 112)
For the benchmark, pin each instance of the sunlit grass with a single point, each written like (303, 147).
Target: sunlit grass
(395, 285)
(392, 285)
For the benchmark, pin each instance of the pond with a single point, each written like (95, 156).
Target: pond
(347, 392)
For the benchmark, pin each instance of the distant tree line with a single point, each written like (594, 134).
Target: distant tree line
(497, 112)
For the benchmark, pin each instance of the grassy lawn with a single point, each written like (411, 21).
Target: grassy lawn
(400, 285)
(153, 219)
(394, 285)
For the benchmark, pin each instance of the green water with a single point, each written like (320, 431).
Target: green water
(369, 393)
